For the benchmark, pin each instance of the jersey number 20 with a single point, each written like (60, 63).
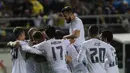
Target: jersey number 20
(14, 53)
(95, 58)
(54, 54)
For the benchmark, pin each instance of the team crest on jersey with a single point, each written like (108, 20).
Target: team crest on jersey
(97, 44)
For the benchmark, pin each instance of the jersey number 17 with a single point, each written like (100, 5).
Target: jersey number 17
(54, 53)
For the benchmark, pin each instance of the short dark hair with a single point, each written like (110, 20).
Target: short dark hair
(93, 30)
(18, 31)
(38, 35)
(67, 9)
(108, 35)
(50, 31)
(59, 34)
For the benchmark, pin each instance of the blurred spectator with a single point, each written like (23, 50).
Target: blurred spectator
(79, 7)
(126, 20)
(23, 9)
(27, 8)
(37, 7)
(99, 11)
(37, 11)
(1, 5)
(121, 6)
(109, 8)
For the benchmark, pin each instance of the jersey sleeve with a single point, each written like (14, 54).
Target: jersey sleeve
(25, 47)
(41, 46)
(66, 43)
(109, 55)
(81, 54)
(77, 25)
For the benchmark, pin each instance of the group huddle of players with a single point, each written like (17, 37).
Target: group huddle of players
(52, 52)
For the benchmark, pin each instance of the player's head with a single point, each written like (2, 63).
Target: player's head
(19, 33)
(68, 13)
(106, 36)
(38, 37)
(30, 32)
(50, 32)
(93, 31)
(59, 34)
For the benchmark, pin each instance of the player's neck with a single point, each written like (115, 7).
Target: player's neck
(19, 39)
(73, 18)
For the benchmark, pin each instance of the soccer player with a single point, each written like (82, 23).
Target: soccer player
(31, 41)
(30, 63)
(74, 65)
(76, 29)
(42, 66)
(19, 53)
(55, 51)
(59, 34)
(96, 51)
(112, 67)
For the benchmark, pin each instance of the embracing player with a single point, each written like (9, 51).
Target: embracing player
(73, 64)
(19, 53)
(96, 51)
(55, 51)
(112, 67)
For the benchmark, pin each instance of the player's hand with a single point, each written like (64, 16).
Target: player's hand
(17, 44)
(69, 59)
(65, 37)
(13, 44)
(72, 41)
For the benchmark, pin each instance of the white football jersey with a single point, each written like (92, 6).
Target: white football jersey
(96, 51)
(30, 63)
(77, 24)
(19, 57)
(36, 67)
(75, 66)
(113, 66)
(55, 51)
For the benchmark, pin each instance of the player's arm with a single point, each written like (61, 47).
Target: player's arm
(41, 46)
(25, 47)
(13, 44)
(74, 35)
(81, 54)
(76, 31)
(109, 55)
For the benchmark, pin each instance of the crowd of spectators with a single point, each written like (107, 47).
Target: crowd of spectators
(46, 7)
(47, 12)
